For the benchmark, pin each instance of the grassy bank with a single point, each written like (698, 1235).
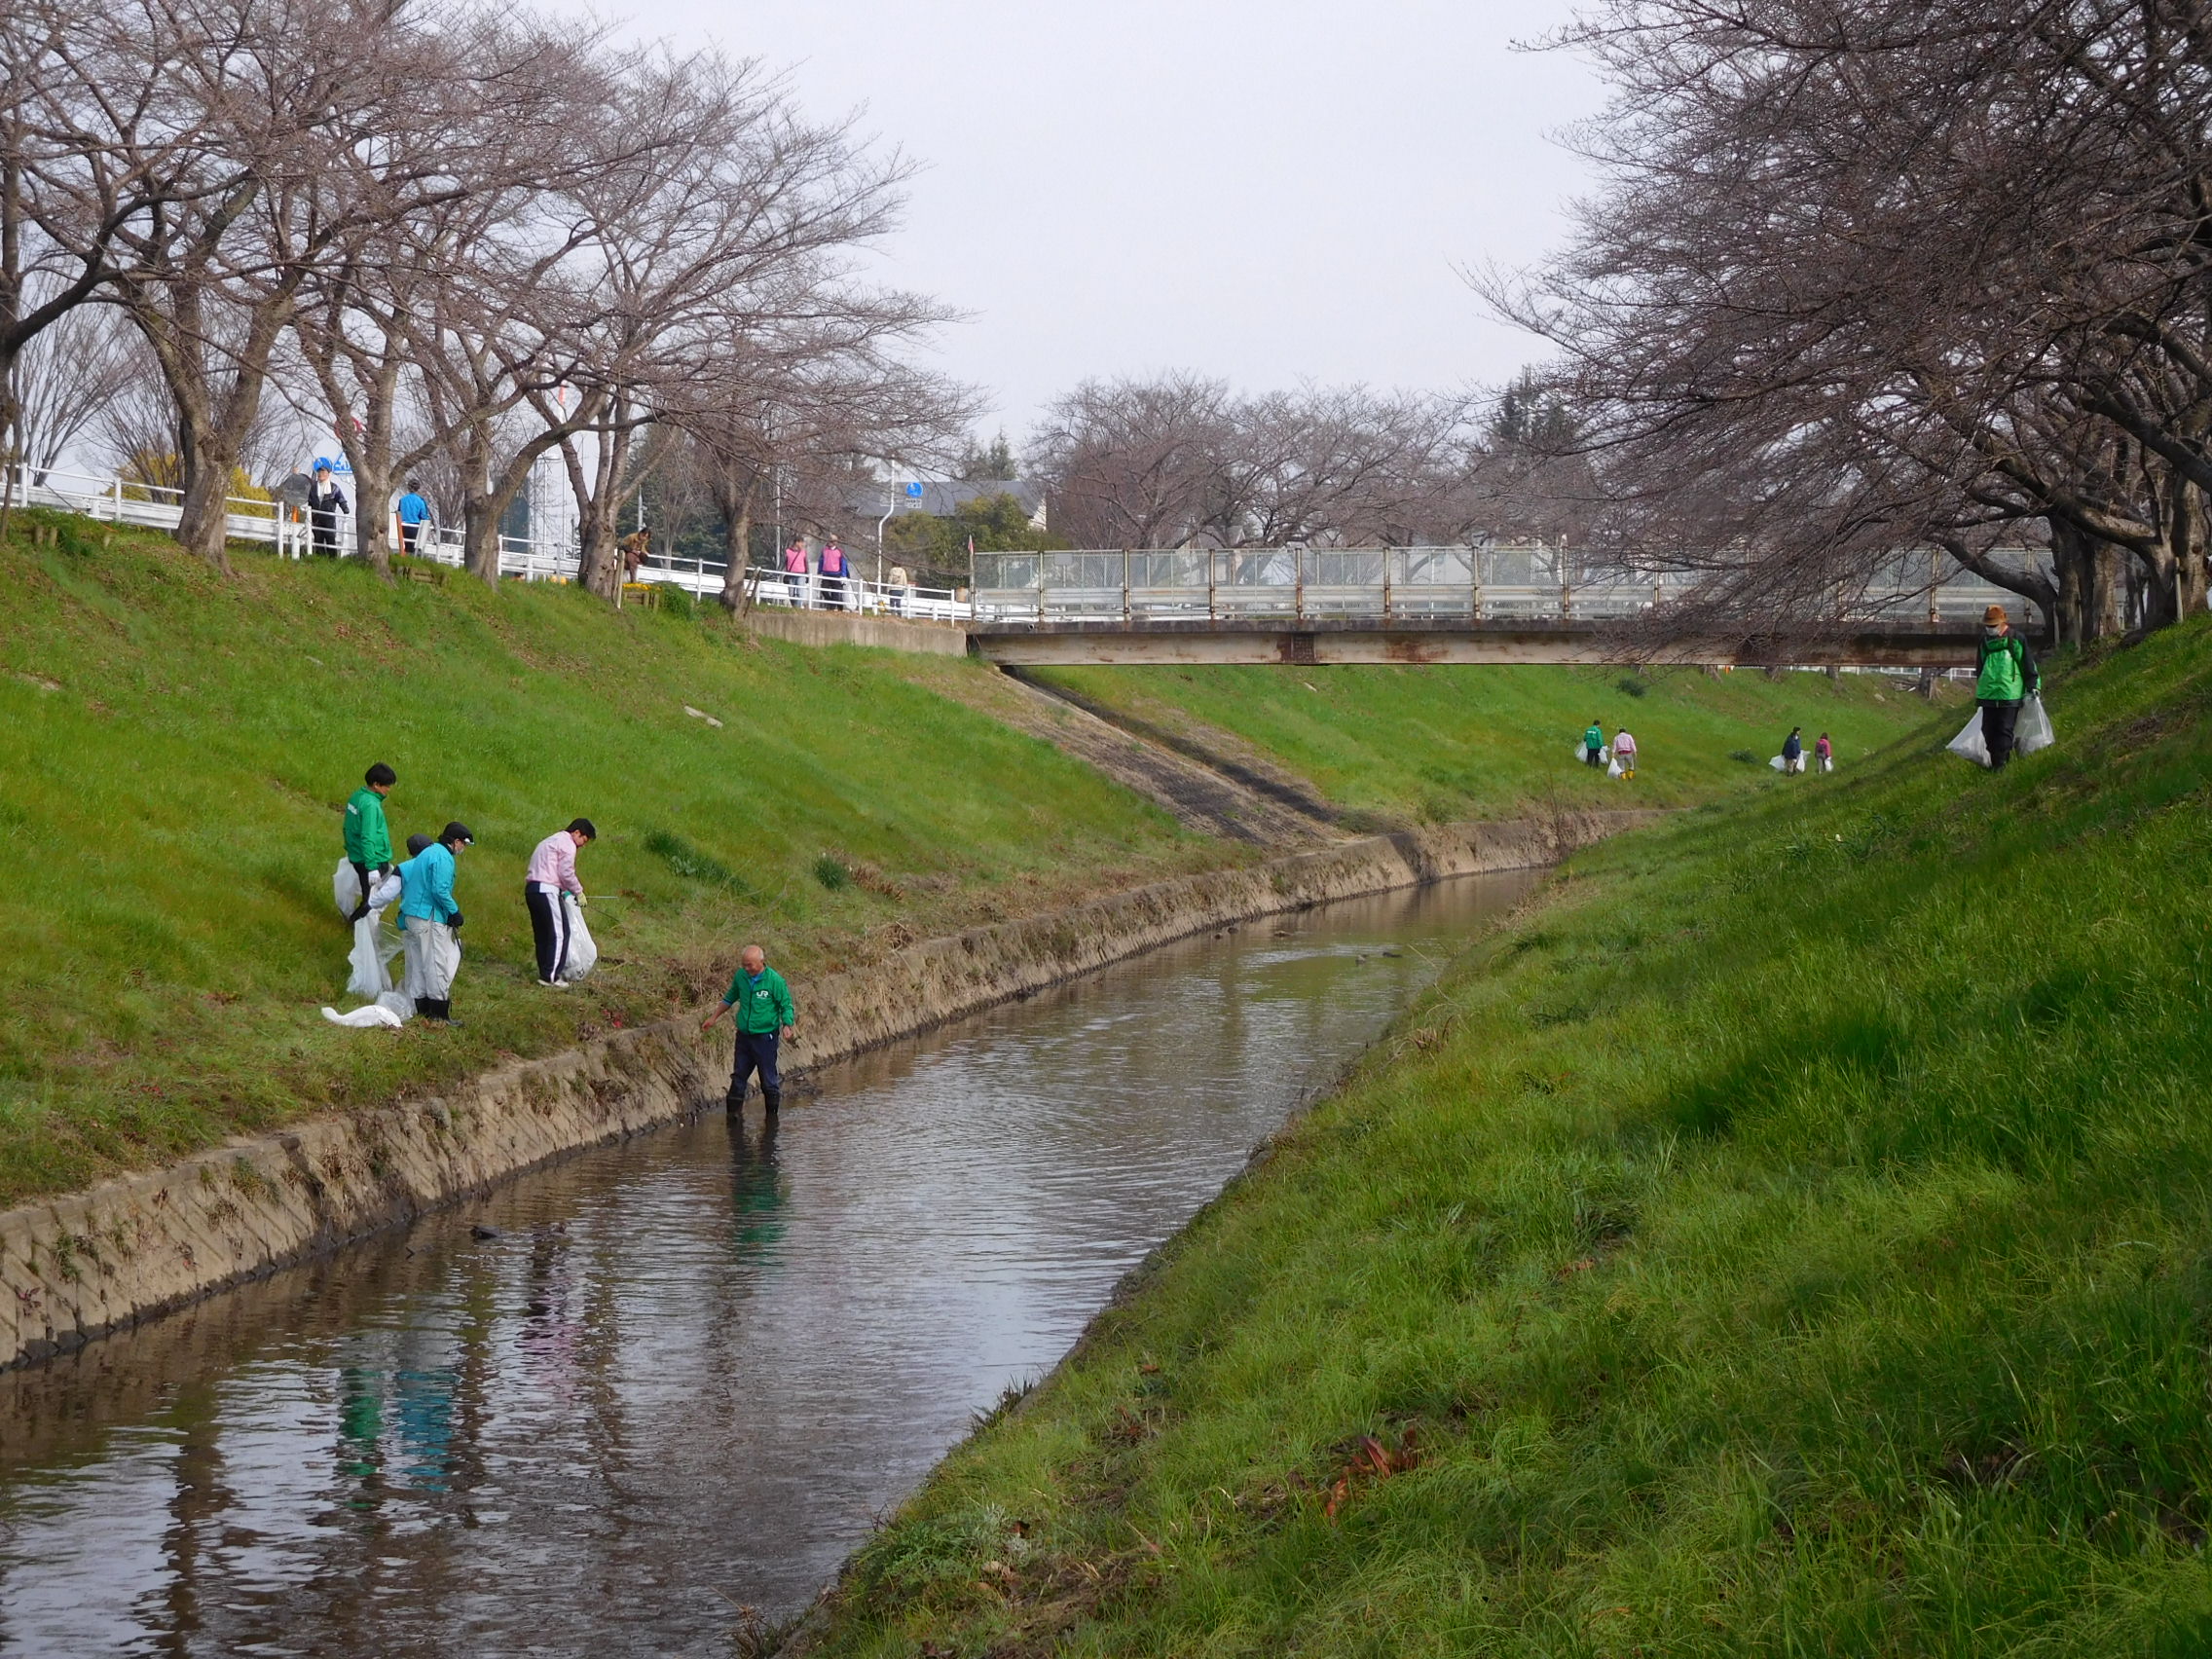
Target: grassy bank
(1441, 743)
(1795, 1236)
(175, 747)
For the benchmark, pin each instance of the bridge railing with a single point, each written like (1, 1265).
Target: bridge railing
(1397, 584)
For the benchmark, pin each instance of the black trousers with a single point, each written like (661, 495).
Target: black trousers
(1997, 720)
(756, 1052)
(362, 870)
(324, 529)
(548, 928)
(409, 535)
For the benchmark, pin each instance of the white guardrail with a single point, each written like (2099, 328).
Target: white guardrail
(1413, 584)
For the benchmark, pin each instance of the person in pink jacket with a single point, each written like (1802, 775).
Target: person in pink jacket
(545, 890)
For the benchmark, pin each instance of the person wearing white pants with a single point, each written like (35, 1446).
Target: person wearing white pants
(431, 918)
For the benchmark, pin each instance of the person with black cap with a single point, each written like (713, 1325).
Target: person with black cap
(546, 891)
(428, 913)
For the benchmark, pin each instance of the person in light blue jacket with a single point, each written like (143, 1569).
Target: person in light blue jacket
(430, 916)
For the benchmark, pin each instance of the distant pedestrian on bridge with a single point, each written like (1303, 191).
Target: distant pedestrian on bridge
(766, 1016)
(2008, 675)
(1594, 744)
(1624, 753)
(797, 571)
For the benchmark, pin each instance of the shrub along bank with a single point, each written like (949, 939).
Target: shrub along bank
(1792, 1236)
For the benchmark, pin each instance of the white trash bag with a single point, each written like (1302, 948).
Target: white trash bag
(346, 887)
(1612, 769)
(374, 943)
(583, 953)
(2033, 731)
(1969, 744)
(1781, 763)
(364, 1019)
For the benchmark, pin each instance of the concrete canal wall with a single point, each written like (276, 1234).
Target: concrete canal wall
(77, 1267)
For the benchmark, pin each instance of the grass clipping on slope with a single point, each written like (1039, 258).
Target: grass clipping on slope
(1793, 1237)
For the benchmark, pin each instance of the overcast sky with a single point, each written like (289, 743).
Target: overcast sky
(1268, 192)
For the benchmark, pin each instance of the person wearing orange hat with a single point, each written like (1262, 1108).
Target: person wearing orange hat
(2008, 677)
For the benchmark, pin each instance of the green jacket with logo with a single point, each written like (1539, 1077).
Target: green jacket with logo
(367, 841)
(1593, 738)
(763, 1002)
(2007, 670)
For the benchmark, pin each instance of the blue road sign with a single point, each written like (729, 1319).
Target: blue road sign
(913, 491)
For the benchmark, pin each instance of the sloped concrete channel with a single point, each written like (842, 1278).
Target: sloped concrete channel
(78, 1267)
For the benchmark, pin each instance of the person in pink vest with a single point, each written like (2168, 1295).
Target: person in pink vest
(546, 890)
(796, 571)
(835, 570)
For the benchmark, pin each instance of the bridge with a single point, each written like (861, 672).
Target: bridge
(1417, 605)
(1501, 604)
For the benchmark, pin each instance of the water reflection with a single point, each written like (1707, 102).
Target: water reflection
(693, 1369)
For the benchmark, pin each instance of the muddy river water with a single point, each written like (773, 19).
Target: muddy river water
(691, 1371)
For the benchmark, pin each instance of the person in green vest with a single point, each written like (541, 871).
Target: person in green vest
(368, 838)
(1594, 745)
(2008, 677)
(764, 1018)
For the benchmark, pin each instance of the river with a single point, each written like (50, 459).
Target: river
(691, 1371)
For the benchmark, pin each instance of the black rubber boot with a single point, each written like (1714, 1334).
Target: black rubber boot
(773, 1100)
(425, 1009)
(734, 1104)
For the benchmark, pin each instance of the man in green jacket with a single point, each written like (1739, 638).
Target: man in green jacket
(1594, 745)
(2008, 677)
(764, 1018)
(368, 839)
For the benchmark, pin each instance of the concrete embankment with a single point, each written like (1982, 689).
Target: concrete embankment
(130, 1248)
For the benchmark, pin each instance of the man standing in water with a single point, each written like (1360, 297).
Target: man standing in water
(764, 1018)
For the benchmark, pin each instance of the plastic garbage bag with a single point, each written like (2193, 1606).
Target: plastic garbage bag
(1781, 763)
(374, 947)
(1613, 769)
(583, 953)
(2034, 730)
(388, 891)
(345, 888)
(364, 1019)
(1969, 744)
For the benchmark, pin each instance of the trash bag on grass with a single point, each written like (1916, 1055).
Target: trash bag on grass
(346, 887)
(364, 1019)
(1612, 769)
(2034, 730)
(583, 953)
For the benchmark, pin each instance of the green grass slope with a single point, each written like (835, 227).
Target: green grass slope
(1793, 1237)
(175, 749)
(1439, 744)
